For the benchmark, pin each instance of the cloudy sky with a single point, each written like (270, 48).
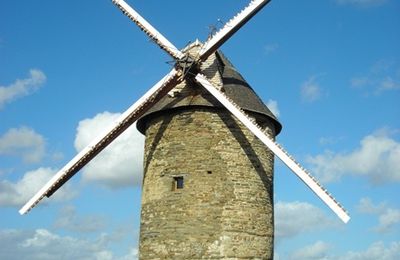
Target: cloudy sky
(329, 69)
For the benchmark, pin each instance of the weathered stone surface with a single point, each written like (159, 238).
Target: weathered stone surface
(225, 208)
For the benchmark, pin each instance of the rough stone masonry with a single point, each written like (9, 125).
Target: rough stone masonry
(208, 181)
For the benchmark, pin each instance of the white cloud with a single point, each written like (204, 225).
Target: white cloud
(366, 206)
(388, 83)
(68, 219)
(388, 218)
(382, 77)
(330, 140)
(376, 158)
(362, 3)
(121, 163)
(321, 250)
(359, 82)
(19, 192)
(42, 244)
(318, 250)
(21, 87)
(23, 142)
(377, 250)
(310, 90)
(273, 106)
(132, 254)
(293, 218)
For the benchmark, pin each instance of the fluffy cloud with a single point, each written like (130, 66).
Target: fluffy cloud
(273, 106)
(362, 3)
(19, 192)
(383, 76)
(68, 219)
(321, 250)
(359, 82)
(379, 85)
(388, 217)
(310, 90)
(21, 87)
(132, 254)
(377, 250)
(366, 206)
(387, 220)
(317, 250)
(330, 140)
(23, 142)
(293, 218)
(388, 83)
(43, 244)
(376, 158)
(121, 163)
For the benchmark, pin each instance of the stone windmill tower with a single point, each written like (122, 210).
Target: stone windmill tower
(210, 145)
(207, 179)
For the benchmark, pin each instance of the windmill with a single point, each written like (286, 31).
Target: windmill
(208, 175)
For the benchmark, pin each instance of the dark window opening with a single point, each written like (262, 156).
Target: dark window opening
(178, 183)
(209, 172)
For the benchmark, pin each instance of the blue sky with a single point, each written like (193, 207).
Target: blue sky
(329, 69)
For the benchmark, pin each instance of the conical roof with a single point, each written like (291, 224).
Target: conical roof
(222, 73)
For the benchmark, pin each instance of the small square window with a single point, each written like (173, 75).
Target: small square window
(177, 183)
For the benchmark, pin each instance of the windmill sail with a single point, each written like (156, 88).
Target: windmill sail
(102, 141)
(231, 27)
(158, 91)
(277, 149)
(148, 100)
(148, 29)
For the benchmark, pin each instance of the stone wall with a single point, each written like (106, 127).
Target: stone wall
(225, 208)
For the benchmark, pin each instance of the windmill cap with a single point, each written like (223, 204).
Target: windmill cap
(234, 86)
